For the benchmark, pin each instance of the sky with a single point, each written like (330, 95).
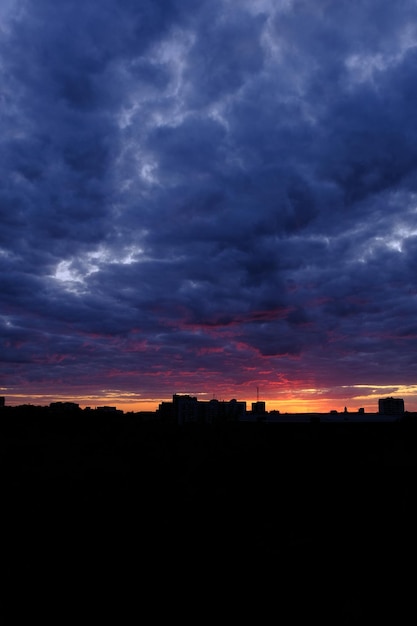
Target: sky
(209, 197)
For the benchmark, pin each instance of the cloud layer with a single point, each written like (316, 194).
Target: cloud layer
(205, 197)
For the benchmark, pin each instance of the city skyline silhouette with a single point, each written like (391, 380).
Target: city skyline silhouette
(390, 407)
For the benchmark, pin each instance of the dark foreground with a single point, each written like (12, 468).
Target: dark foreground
(297, 522)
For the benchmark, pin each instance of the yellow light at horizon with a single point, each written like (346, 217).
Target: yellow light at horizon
(304, 400)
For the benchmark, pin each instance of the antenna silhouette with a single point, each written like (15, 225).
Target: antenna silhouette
(257, 394)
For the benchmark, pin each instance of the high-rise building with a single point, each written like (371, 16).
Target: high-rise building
(258, 407)
(391, 406)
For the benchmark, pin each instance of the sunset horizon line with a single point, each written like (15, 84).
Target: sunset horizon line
(283, 406)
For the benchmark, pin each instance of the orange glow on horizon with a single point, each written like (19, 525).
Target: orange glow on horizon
(284, 405)
(307, 400)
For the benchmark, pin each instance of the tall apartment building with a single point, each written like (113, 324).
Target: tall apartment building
(390, 406)
(186, 409)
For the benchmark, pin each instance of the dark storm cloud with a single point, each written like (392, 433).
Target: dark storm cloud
(199, 190)
(227, 51)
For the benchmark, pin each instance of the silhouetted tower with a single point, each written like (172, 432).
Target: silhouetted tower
(258, 408)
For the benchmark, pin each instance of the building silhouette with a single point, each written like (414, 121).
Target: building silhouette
(185, 409)
(391, 406)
